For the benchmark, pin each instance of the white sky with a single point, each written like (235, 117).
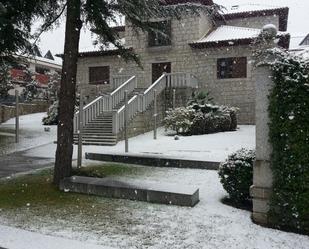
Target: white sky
(298, 24)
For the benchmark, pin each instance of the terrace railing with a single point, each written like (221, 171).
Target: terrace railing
(118, 80)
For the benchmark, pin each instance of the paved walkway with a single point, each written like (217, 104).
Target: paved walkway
(18, 162)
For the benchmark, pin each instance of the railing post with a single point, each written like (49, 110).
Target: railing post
(16, 116)
(80, 131)
(126, 121)
(174, 98)
(155, 114)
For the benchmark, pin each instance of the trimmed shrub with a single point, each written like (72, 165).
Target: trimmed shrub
(179, 119)
(236, 175)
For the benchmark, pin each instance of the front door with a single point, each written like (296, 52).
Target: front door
(159, 68)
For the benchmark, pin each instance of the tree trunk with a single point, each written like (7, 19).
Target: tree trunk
(63, 164)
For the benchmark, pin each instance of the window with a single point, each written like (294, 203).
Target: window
(233, 67)
(41, 70)
(162, 38)
(99, 75)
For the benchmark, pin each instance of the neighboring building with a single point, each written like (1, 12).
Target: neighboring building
(217, 52)
(305, 41)
(299, 43)
(39, 67)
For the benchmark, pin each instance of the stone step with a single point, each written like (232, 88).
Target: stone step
(112, 187)
(98, 130)
(99, 137)
(97, 126)
(97, 143)
(109, 134)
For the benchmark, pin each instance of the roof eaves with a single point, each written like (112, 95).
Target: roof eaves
(282, 12)
(102, 53)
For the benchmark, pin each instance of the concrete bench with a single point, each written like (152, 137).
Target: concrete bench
(139, 190)
(153, 160)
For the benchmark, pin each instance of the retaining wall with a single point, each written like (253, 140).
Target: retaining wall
(8, 112)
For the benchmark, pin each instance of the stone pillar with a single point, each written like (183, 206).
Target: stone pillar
(262, 174)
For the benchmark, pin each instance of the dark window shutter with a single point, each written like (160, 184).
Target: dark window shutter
(233, 67)
(99, 75)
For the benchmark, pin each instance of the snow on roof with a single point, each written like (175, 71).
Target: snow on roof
(101, 47)
(295, 41)
(226, 33)
(248, 8)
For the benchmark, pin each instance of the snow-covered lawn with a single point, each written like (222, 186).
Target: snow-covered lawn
(129, 224)
(32, 133)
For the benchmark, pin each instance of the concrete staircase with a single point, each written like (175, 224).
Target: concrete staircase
(103, 118)
(99, 131)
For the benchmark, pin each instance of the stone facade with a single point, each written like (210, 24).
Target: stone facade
(238, 92)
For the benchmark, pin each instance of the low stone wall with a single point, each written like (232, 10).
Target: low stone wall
(8, 112)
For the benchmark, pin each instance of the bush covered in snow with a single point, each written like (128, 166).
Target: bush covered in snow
(201, 117)
(179, 119)
(52, 115)
(236, 175)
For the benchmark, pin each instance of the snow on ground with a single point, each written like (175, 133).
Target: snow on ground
(128, 224)
(31, 240)
(32, 133)
(211, 147)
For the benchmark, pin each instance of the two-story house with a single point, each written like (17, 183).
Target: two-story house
(218, 52)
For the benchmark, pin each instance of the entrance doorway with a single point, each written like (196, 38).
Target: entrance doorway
(159, 68)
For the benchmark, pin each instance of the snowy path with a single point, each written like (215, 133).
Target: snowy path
(32, 134)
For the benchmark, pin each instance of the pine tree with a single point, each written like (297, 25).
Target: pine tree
(97, 15)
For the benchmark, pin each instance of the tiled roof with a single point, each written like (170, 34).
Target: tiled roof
(174, 2)
(229, 36)
(225, 32)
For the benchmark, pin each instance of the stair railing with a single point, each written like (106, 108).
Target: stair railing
(105, 102)
(141, 102)
(117, 95)
(159, 85)
(118, 117)
(92, 110)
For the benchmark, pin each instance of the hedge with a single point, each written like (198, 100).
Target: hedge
(289, 136)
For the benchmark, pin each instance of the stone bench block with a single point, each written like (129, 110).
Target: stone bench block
(155, 192)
